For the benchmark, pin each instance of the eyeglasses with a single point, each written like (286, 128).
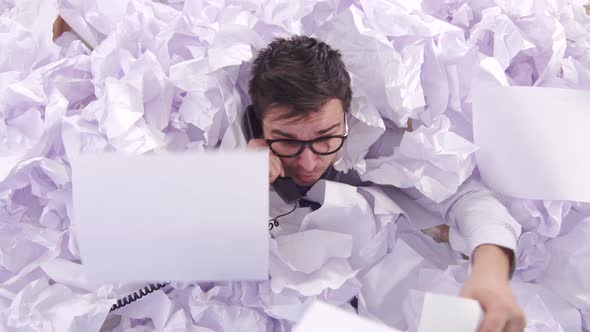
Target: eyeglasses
(323, 146)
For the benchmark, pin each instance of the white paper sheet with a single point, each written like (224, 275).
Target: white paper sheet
(533, 141)
(189, 217)
(449, 313)
(320, 317)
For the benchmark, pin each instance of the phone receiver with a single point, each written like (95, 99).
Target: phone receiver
(252, 124)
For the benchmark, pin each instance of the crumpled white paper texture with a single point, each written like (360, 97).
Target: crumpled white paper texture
(137, 76)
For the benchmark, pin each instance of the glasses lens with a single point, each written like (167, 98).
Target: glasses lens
(286, 148)
(327, 145)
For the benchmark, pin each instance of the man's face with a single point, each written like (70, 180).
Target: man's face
(308, 167)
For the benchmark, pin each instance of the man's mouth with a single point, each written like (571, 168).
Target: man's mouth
(307, 177)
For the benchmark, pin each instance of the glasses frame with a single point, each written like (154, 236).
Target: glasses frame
(303, 144)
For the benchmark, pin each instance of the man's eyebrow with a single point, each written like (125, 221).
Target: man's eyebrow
(282, 133)
(320, 132)
(323, 131)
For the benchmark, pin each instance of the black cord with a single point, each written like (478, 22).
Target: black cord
(274, 222)
(137, 295)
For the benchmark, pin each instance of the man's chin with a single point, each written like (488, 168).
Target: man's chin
(305, 181)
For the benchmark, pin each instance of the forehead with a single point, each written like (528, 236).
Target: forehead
(330, 113)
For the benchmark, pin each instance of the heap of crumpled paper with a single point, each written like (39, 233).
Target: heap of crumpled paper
(137, 76)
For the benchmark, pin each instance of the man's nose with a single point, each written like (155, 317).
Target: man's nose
(307, 160)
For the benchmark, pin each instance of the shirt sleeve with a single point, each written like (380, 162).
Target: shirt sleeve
(474, 213)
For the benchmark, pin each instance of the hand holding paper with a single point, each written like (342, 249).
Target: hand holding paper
(488, 283)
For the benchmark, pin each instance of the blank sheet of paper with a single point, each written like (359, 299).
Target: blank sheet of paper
(534, 142)
(172, 217)
(449, 313)
(321, 317)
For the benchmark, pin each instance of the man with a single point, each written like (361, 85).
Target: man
(300, 91)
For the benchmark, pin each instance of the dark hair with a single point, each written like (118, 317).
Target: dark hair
(301, 73)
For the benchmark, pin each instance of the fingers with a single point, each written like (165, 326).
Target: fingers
(275, 167)
(467, 293)
(517, 323)
(501, 310)
(257, 143)
(493, 321)
(282, 173)
(503, 319)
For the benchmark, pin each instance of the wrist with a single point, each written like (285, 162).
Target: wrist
(491, 261)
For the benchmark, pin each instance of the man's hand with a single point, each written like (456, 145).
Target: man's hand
(275, 167)
(59, 26)
(489, 284)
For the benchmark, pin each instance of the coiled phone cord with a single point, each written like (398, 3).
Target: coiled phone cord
(138, 295)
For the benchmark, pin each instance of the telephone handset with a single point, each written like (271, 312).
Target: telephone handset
(252, 124)
(283, 186)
